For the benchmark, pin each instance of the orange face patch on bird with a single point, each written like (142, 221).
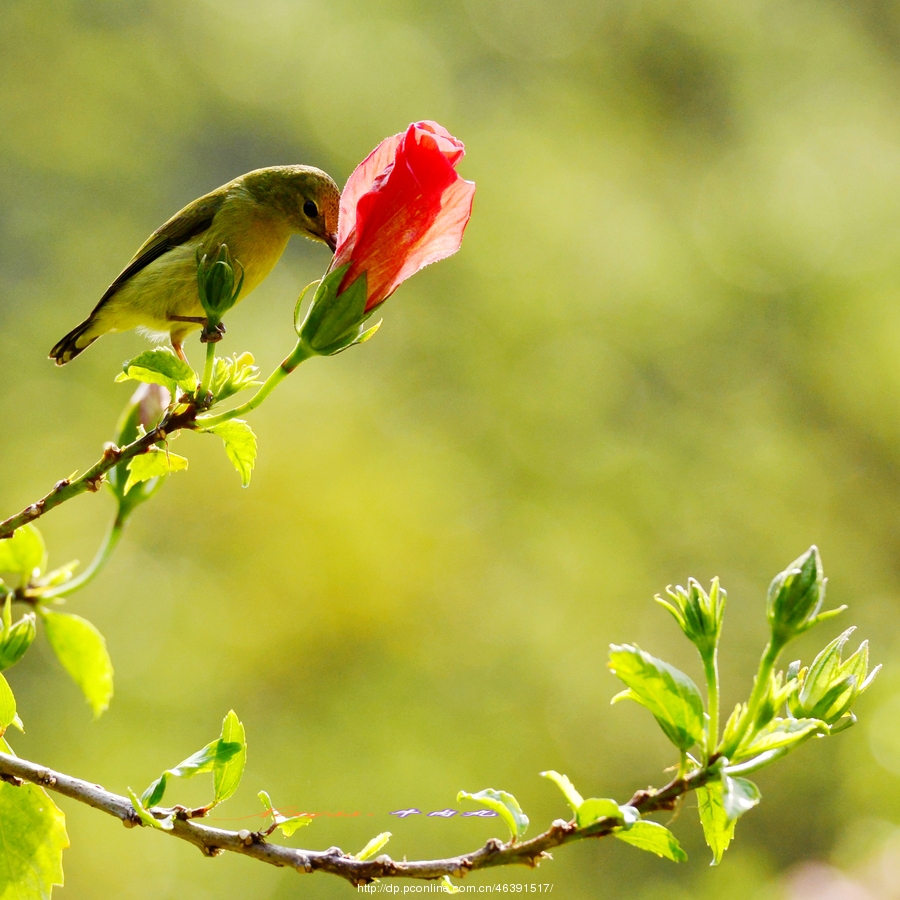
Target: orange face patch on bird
(254, 216)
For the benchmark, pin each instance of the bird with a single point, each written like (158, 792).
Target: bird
(254, 216)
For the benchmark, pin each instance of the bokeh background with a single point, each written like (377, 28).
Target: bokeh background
(668, 347)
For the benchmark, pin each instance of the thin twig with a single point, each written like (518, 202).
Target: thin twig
(214, 841)
(93, 478)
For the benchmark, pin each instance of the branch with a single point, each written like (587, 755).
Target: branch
(93, 477)
(214, 841)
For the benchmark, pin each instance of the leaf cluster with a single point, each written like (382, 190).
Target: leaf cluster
(783, 711)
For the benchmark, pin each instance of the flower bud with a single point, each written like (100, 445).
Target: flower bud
(699, 615)
(16, 640)
(829, 687)
(141, 414)
(215, 283)
(795, 598)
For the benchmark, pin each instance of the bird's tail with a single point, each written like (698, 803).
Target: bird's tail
(74, 342)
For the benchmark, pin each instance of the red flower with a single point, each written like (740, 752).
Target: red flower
(403, 207)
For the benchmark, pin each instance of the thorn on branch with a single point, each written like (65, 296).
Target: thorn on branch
(62, 483)
(494, 845)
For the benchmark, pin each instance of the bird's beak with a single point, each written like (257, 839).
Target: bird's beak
(331, 240)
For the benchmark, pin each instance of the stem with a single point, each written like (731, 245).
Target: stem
(110, 540)
(299, 354)
(760, 685)
(207, 370)
(213, 841)
(711, 668)
(92, 479)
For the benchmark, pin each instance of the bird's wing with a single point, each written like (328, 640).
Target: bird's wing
(194, 219)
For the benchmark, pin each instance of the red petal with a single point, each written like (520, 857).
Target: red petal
(361, 181)
(414, 212)
(444, 237)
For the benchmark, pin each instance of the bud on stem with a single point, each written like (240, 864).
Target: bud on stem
(216, 287)
(795, 598)
(15, 639)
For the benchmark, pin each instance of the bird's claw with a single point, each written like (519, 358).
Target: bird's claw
(212, 335)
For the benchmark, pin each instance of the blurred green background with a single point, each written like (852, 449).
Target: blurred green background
(668, 347)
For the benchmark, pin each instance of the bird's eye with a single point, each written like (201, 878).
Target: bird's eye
(310, 210)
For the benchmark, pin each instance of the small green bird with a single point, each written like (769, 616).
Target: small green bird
(254, 215)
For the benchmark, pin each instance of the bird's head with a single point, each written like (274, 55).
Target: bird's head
(306, 196)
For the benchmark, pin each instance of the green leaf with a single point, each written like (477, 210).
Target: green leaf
(209, 758)
(32, 839)
(448, 885)
(82, 651)
(739, 795)
(23, 552)
(227, 774)
(502, 803)
(373, 846)
(595, 809)
(146, 816)
(653, 837)
(718, 828)
(240, 446)
(573, 798)
(160, 366)
(780, 733)
(669, 694)
(7, 705)
(288, 825)
(153, 464)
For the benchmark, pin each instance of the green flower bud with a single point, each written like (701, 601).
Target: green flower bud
(16, 640)
(795, 598)
(216, 283)
(141, 414)
(829, 687)
(698, 614)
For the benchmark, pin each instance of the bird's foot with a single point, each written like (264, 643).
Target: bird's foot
(212, 335)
